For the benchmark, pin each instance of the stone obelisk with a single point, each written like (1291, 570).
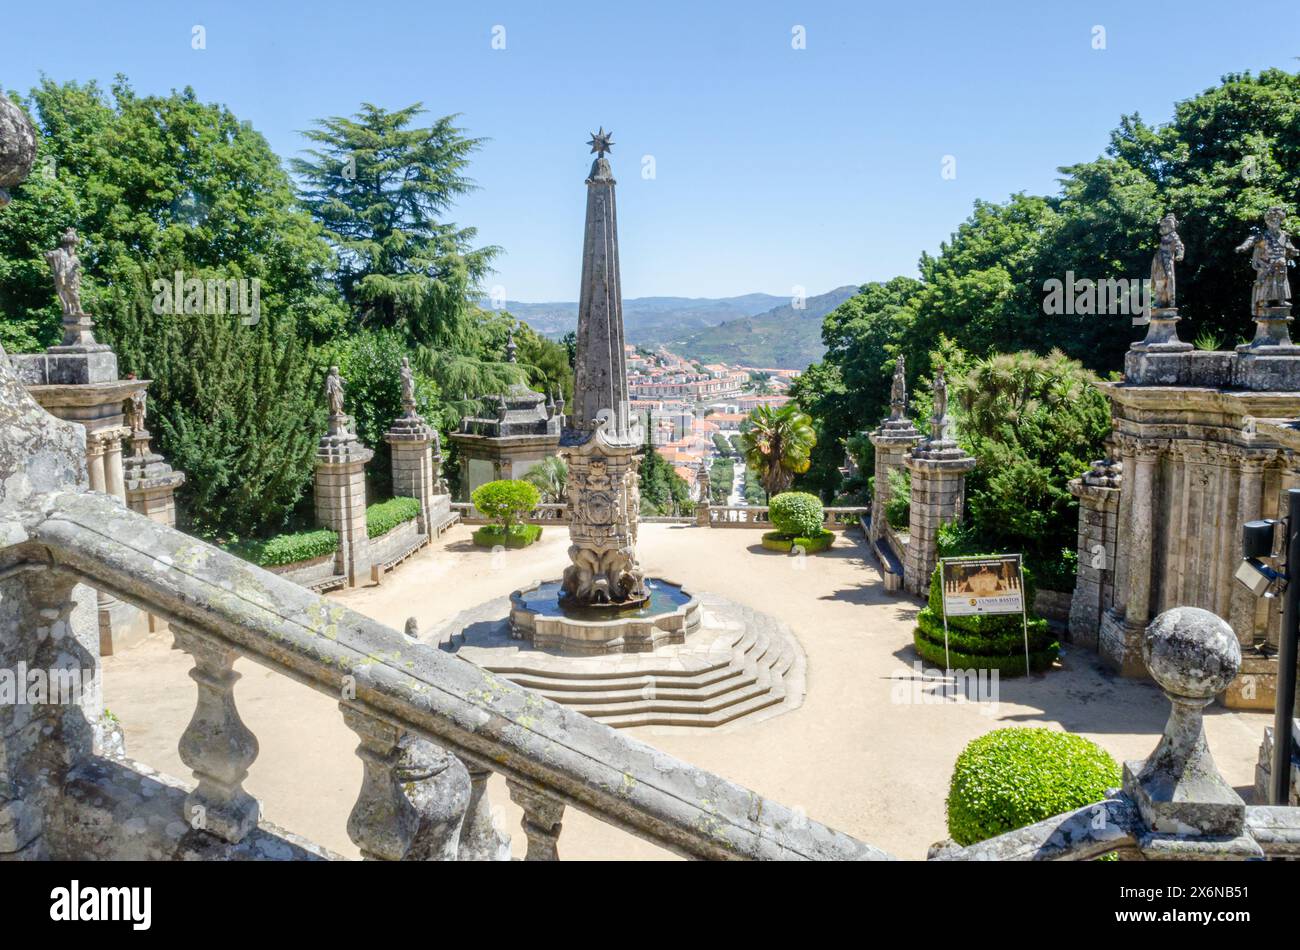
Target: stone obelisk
(602, 443)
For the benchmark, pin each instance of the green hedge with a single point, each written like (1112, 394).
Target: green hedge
(287, 548)
(1010, 778)
(776, 541)
(984, 641)
(519, 536)
(796, 514)
(384, 516)
(506, 500)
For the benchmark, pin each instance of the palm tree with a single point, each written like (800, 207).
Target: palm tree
(778, 445)
(549, 476)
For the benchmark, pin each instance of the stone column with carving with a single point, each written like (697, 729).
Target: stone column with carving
(1120, 644)
(895, 437)
(341, 487)
(938, 468)
(1098, 492)
(415, 468)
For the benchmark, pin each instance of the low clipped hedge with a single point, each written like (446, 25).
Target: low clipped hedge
(1010, 778)
(776, 541)
(384, 516)
(287, 548)
(519, 536)
(984, 641)
(797, 514)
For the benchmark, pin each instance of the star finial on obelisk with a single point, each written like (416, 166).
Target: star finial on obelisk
(601, 142)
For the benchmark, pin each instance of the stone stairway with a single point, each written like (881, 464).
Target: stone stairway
(740, 664)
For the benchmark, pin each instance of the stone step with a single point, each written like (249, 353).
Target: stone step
(713, 663)
(685, 707)
(712, 719)
(587, 699)
(546, 683)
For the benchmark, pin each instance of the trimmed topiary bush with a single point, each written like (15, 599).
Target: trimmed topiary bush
(1014, 777)
(519, 536)
(797, 514)
(384, 516)
(506, 501)
(984, 641)
(776, 541)
(287, 548)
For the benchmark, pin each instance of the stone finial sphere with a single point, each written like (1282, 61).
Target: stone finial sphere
(1191, 652)
(17, 144)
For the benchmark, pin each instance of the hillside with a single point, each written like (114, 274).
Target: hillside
(782, 337)
(648, 321)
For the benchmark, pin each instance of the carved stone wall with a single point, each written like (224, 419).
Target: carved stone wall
(1198, 461)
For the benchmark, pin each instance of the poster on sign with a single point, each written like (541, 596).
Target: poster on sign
(987, 585)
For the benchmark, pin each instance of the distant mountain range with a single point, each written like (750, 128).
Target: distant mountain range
(752, 330)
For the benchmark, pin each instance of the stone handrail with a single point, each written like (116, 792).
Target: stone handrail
(389, 685)
(545, 513)
(757, 516)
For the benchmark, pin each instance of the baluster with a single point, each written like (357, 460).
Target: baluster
(542, 815)
(383, 822)
(216, 745)
(480, 838)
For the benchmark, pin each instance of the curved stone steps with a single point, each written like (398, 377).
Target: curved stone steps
(740, 662)
(650, 690)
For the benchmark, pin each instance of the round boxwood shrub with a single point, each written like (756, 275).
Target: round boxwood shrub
(506, 501)
(984, 641)
(796, 514)
(1010, 778)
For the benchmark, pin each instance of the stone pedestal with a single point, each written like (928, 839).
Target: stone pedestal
(1162, 333)
(77, 381)
(341, 498)
(1094, 589)
(416, 471)
(893, 440)
(938, 467)
(151, 485)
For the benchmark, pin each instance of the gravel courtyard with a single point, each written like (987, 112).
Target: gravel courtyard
(863, 753)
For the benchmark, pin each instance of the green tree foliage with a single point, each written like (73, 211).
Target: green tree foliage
(1033, 423)
(722, 473)
(663, 491)
(156, 184)
(777, 445)
(550, 477)
(380, 185)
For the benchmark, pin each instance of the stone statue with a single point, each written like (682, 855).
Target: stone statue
(334, 391)
(940, 394)
(512, 349)
(1162, 264)
(66, 266)
(1271, 254)
(898, 389)
(408, 387)
(135, 411)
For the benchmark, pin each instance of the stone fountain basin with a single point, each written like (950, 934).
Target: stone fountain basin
(603, 630)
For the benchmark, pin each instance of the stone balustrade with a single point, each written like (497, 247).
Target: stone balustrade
(757, 516)
(546, 513)
(391, 688)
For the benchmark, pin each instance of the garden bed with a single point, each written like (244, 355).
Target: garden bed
(777, 541)
(519, 536)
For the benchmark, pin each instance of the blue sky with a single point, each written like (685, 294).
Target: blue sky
(774, 167)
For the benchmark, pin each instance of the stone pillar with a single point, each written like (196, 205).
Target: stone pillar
(1098, 493)
(895, 437)
(415, 471)
(938, 497)
(341, 490)
(1120, 645)
(893, 441)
